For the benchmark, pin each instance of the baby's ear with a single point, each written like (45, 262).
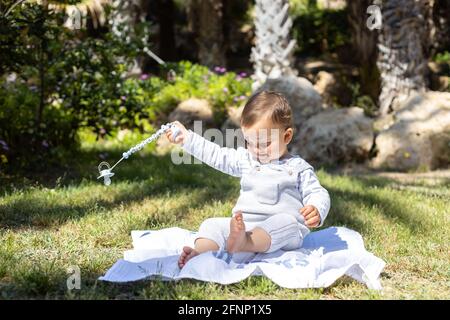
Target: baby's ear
(288, 135)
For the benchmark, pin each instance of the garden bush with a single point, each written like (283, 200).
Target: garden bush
(55, 81)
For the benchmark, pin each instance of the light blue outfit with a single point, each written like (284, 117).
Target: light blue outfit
(271, 194)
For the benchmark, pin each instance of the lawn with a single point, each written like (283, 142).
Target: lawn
(64, 217)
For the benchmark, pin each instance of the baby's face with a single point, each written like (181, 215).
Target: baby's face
(267, 141)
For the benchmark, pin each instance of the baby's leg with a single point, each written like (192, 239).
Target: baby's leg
(211, 237)
(201, 245)
(283, 231)
(239, 240)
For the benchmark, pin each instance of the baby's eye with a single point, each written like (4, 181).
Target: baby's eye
(265, 145)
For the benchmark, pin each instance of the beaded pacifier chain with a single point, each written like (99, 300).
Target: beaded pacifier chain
(107, 173)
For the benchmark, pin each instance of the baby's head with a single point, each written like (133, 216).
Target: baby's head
(266, 123)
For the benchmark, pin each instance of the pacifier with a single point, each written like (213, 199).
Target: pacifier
(106, 174)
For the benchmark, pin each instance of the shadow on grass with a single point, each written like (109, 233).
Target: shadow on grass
(148, 177)
(389, 206)
(40, 284)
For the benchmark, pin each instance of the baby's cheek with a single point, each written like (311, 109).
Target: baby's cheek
(275, 151)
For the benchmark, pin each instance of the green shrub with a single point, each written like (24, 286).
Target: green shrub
(222, 89)
(442, 57)
(67, 80)
(318, 30)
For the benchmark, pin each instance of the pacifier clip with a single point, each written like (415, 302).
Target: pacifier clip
(107, 173)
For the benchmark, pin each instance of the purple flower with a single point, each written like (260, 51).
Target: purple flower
(220, 69)
(45, 144)
(225, 90)
(242, 74)
(102, 131)
(4, 145)
(123, 98)
(144, 76)
(242, 97)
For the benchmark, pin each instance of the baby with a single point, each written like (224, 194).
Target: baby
(280, 196)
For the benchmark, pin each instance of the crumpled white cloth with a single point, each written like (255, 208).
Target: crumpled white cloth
(326, 255)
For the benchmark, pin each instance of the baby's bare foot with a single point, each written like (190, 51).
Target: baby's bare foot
(237, 238)
(187, 254)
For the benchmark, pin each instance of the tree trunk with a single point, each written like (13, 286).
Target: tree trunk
(165, 11)
(273, 50)
(441, 20)
(42, 70)
(364, 42)
(206, 22)
(402, 60)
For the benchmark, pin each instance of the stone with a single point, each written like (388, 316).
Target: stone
(234, 118)
(301, 95)
(335, 136)
(192, 110)
(420, 137)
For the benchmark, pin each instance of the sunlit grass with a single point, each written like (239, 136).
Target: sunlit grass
(47, 227)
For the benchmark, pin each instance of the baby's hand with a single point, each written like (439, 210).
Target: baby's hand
(311, 215)
(179, 139)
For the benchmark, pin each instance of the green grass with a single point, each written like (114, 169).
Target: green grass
(65, 217)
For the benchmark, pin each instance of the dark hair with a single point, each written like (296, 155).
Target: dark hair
(270, 103)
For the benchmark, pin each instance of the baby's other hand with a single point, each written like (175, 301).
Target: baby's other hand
(179, 139)
(311, 215)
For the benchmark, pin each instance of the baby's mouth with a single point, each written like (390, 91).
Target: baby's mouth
(264, 157)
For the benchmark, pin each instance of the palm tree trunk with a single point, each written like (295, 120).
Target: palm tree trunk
(402, 59)
(272, 54)
(206, 22)
(364, 42)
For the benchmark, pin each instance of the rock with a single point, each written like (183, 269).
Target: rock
(234, 118)
(420, 137)
(325, 82)
(192, 110)
(332, 89)
(301, 95)
(331, 5)
(383, 122)
(440, 83)
(335, 136)
(439, 79)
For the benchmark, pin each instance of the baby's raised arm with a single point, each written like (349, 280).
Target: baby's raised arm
(221, 158)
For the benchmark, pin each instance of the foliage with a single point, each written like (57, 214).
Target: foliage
(318, 30)
(222, 89)
(363, 101)
(57, 80)
(442, 57)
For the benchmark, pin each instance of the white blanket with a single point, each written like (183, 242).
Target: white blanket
(326, 255)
